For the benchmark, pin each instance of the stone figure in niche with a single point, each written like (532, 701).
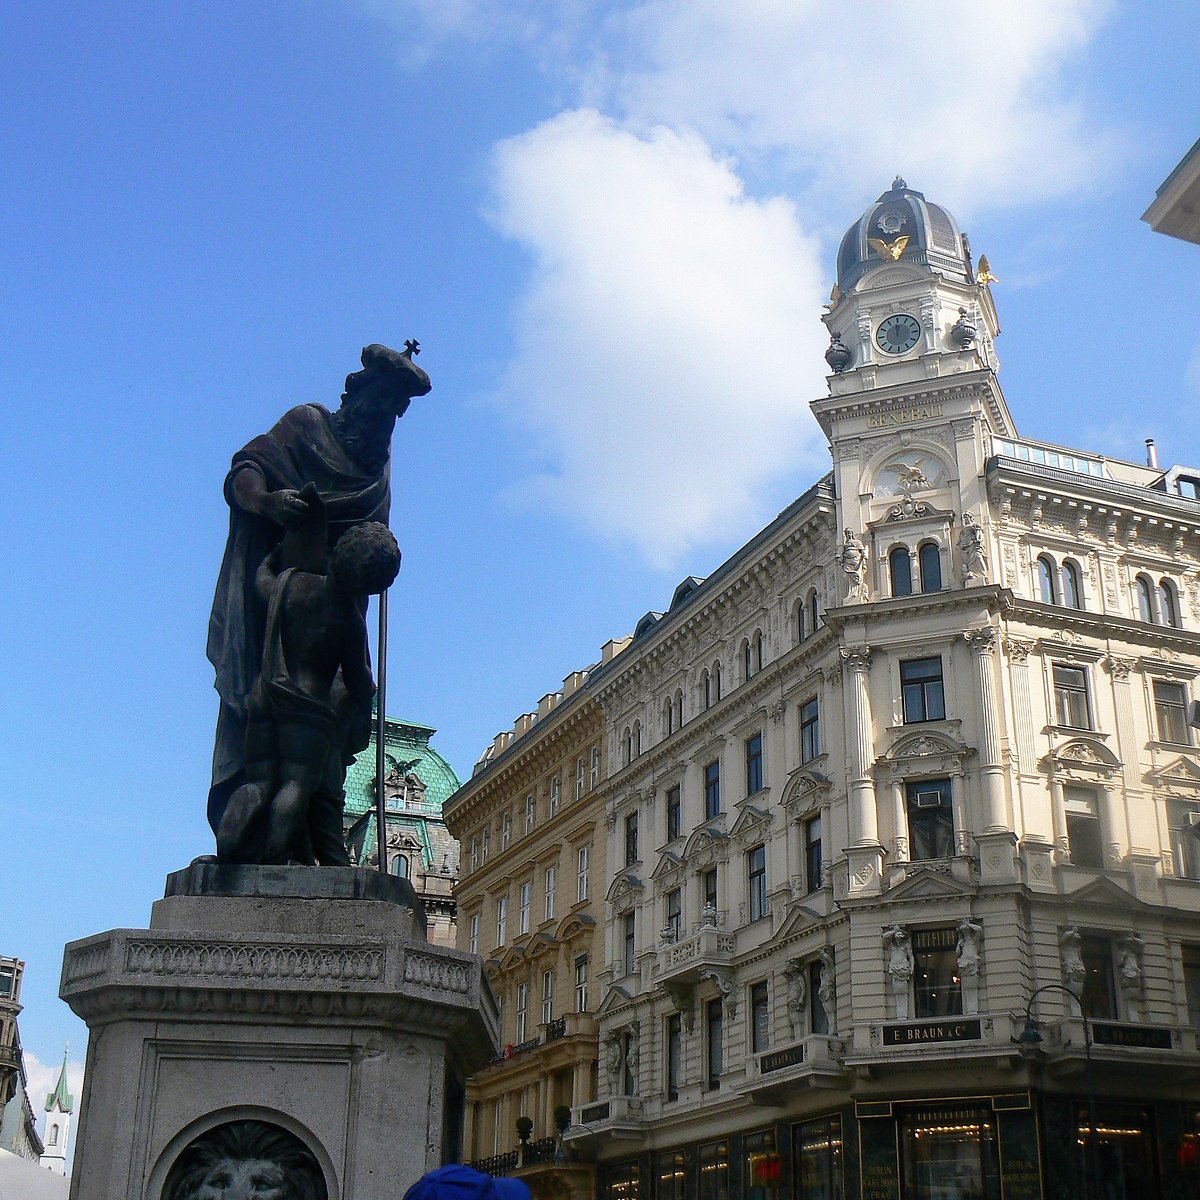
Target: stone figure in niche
(614, 1055)
(972, 552)
(827, 987)
(345, 456)
(970, 957)
(631, 1056)
(1070, 946)
(898, 960)
(854, 565)
(797, 1001)
(296, 722)
(246, 1160)
(1129, 966)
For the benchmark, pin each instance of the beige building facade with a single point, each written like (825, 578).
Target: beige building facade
(902, 801)
(530, 898)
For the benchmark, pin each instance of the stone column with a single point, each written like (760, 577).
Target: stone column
(983, 645)
(899, 820)
(1112, 824)
(1058, 814)
(865, 854)
(795, 853)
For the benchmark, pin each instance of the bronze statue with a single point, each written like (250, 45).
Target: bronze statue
(343, 460)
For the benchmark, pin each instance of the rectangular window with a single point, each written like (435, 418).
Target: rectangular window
(930, 819)
(522, 1010)
(935, 976)
(1185, 836)
(581, 983)
(580, 776)
(1099, 984)
(623, 1181)
(675, 1071)
(1170, 711)
(714, 1171)
(547, 997)
(595, 766)
(1084, 840)
(475, 933)
(474, 852)
(505, 830)
(631, 839)
(756, 871)
(530, 812)
(555, 790)
(810, 730)
(921, 690)
(1191, 983)
(673, 903)
(1071, 697)
(754, 764)
(501, 920)
(763, 1167)
(483, 850)
(582, 865)
(760, 1017)
(673, 813)
(817, 1158)
(712, 790)
(551, 879)
(708, 887)
(628, 944)
(526, 893)
(812, 853)
(714, 1041)
(818, 1018)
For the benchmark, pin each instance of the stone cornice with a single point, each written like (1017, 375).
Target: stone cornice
(1034, 617)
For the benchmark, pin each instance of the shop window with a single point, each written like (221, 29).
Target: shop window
(1099, 991)
(628, 944)
(754, 764)
(756, 872)
(1126, 1151)
(1191, 983)
(714, 1171)
(669, 1170)
(673, 813)
(810, 730)
(930, 559)
(817, 1158)
(1170, 711)
(900, 571)
(1072, 585)
(712, 790)
(762, 1168)
(1046, 583)
(760, 1017)
(936, 988)
(1084, 838)
(812, 853)
(949, 1151)
(714, 1042)
(818, 1018)
(1071, 708)
(673, 905)
(924, 698)
(623, 1181)
(930, 819)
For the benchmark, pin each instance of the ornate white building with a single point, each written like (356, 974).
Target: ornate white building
(922, 747)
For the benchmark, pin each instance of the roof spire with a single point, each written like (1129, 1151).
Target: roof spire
(61, 1094)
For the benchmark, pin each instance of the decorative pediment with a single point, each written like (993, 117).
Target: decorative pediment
(799, 919)
(805, 790)
(912, 510)
(615, 999)
(511, 957)
(1104, 893)
(706, 845)
(1181, 777)
(923, 752)
(626, 886)
(1085, 758)
(670, 867)
(924, 884)
(573, 924)
(541, 942)
(751, 824)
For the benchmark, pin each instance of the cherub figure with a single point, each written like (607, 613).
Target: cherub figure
(314, 679)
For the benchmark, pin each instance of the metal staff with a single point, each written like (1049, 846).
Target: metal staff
(380, 761)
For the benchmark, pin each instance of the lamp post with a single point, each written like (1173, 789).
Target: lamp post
(1030, 1038)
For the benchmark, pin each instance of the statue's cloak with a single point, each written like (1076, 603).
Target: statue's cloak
(302, 448)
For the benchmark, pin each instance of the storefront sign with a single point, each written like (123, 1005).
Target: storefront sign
(1144, 1037)
(1019, 1171)
(793, 1056)
(880, 1161)
(937, 1031)
(903, 416)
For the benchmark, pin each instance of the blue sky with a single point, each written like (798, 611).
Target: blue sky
(612, 228)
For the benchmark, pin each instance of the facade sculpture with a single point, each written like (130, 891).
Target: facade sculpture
(854, 564)
(972, 552)
(345, 458)
(900, 965)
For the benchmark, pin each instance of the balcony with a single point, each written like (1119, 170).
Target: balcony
(618, 1116)
(814, 1061)
(685, 961)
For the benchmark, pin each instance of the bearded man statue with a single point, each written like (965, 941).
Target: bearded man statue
(346, 456)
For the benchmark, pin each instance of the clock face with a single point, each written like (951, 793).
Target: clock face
(897, 333)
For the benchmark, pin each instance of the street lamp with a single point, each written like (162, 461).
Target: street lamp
(1029, 1038)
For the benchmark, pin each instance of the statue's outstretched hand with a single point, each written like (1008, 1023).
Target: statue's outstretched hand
(285, 507)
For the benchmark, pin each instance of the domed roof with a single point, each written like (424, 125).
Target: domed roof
(933, 237)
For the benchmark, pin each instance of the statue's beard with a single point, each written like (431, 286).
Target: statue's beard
(364, 425)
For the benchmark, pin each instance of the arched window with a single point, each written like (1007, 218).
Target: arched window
(930, 558)
(706, 689)
(900, 571)
(1045, 570)
(747, 660)
(1167, 605)
(399, 866)
(668, 717)
(1145, 599)
(52, 1140)
(801, 623)
(758, 651)
(679, 708)
(1072, 585)
(812, 612)
(628, 745)
(637, 737)
(716, 676)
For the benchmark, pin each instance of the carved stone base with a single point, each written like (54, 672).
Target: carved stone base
(997, 856)
(866, 869)
(301, 1003)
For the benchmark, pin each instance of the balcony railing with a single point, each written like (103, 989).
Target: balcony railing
(529, 1154)
(497, 1164)
(556, 1029)
(707, 946)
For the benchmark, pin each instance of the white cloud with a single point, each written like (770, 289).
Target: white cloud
(668, 342)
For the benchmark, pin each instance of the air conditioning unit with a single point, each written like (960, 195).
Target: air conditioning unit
(929, 799)
(1192, 818)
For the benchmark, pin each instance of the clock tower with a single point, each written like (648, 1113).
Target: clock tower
(913, 397)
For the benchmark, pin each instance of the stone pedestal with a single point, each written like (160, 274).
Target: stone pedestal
(304, 998)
